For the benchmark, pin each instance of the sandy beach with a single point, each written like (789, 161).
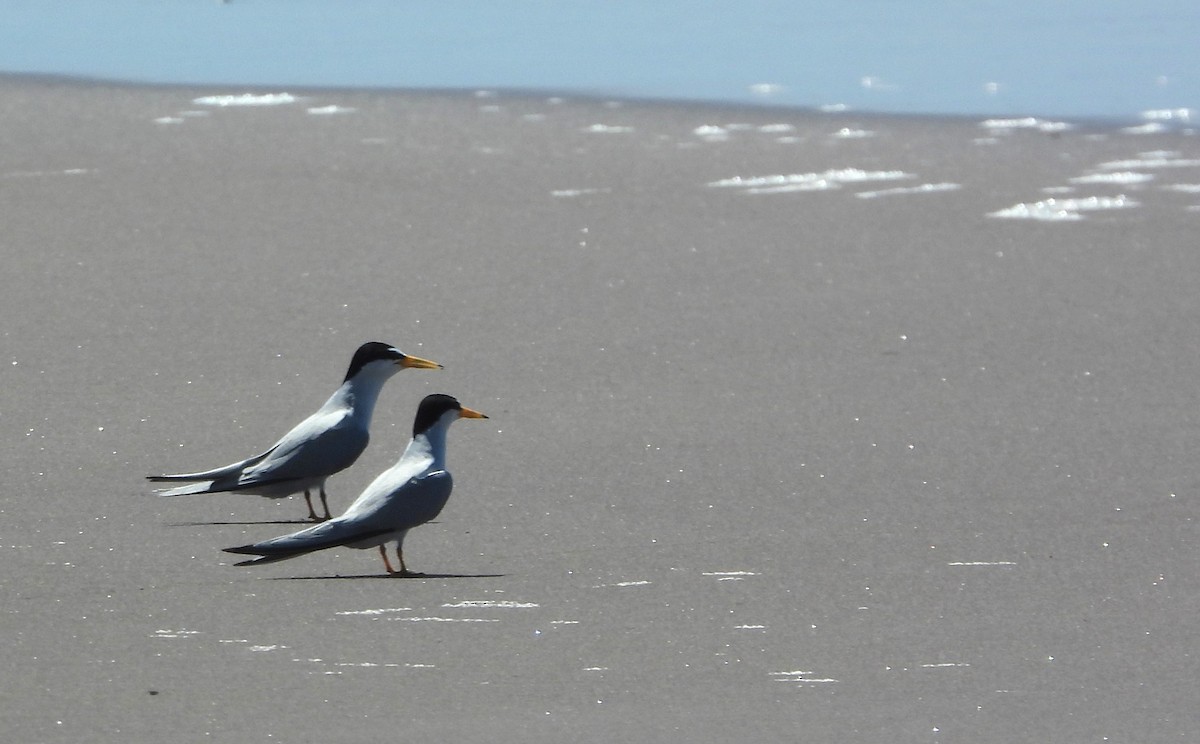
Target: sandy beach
(805, 426)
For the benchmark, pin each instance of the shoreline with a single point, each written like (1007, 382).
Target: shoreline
(1087, 123)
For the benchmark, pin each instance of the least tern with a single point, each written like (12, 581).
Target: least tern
(410, 493)
(325, 443)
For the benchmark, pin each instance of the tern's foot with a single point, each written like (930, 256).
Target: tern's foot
(406, 574)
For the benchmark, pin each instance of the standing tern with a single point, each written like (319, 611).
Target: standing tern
(410, 493)
(325, 443)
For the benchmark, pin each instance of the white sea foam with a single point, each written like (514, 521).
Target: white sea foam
(247, 99)
(925, 188)
(1184, 188)
(330, 110)
(982, 563)
(1064, 210)
(1155, 159)
(570, 193)
(1120, 178)
(826, 180)
(1026, 122)
(607, 129)
(1150, 127)
(849, 133)
(711, 133)
(1179, 114)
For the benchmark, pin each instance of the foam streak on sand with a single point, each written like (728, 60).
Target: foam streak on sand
(38, 174)
(449, 619)
(501, 604)
(382, 611)
(798, 677)
(570, 193)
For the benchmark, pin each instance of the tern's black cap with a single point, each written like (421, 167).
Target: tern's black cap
(372, 351)
(431, 409)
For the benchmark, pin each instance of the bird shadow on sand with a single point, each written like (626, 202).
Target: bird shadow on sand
(242, 524)
(390, 577)
(305, 522)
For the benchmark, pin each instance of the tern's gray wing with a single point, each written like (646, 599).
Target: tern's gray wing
(318, 537)
(323, 444)
(397, 502)
(420, 501)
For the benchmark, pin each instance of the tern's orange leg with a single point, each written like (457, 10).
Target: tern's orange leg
(308, 500)
(387, 564)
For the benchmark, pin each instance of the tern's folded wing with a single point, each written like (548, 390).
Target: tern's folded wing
(318, 537)
(323, 445)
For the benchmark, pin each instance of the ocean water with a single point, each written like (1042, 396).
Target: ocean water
(1065, 58)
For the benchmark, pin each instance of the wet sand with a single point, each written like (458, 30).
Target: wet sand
(834, 456)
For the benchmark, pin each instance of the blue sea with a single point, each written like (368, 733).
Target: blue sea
(1062, 58)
